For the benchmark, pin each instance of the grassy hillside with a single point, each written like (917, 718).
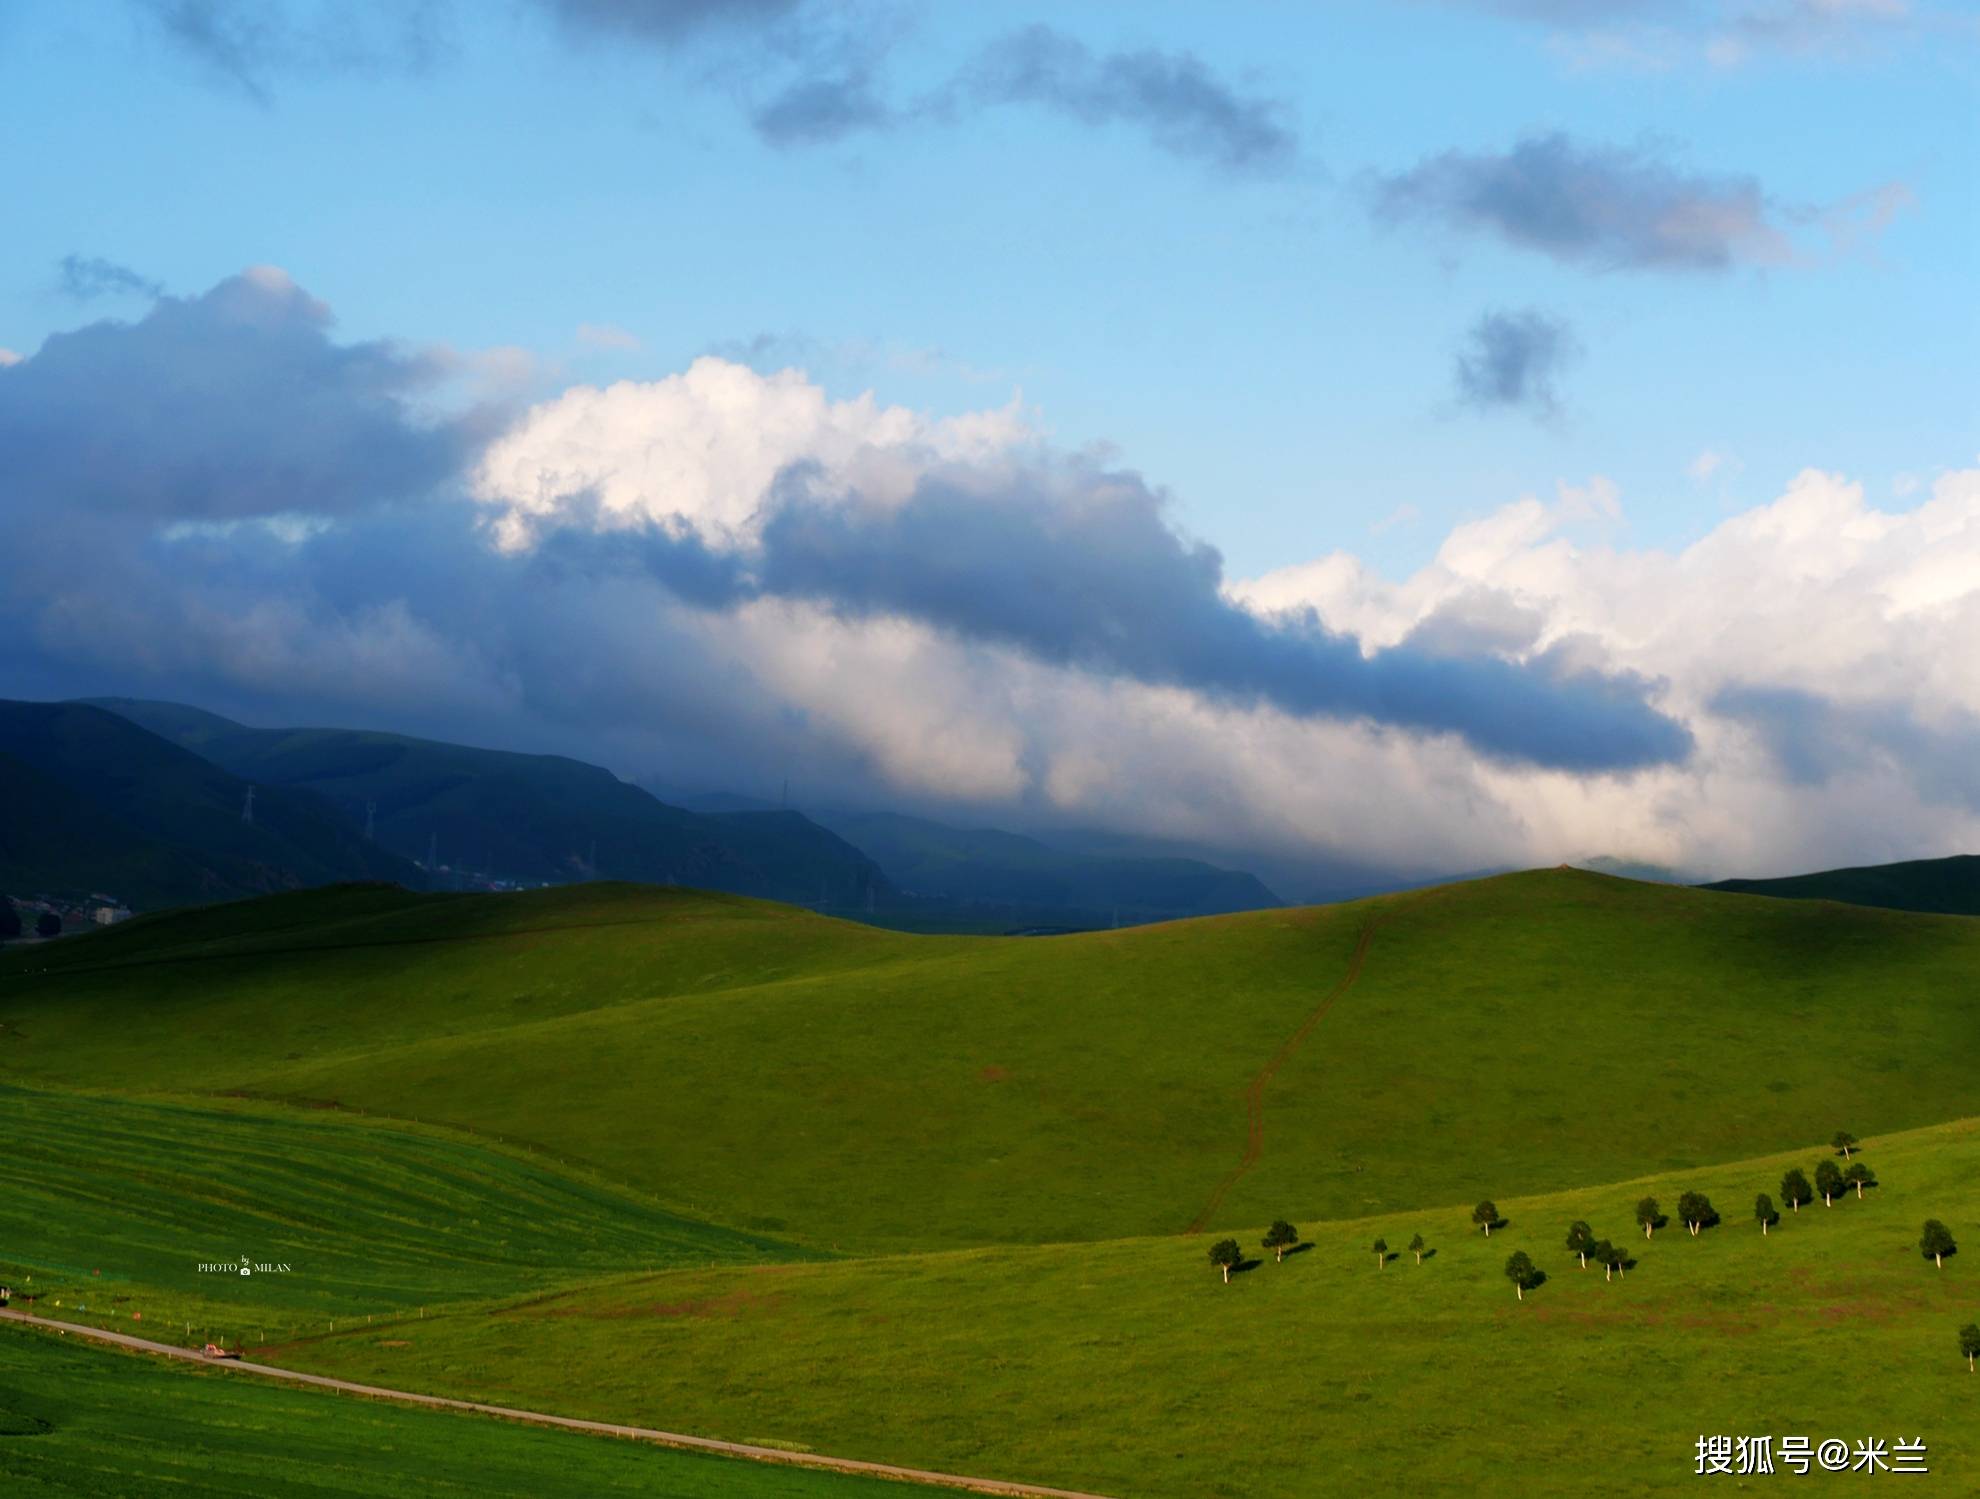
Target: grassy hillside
(1034, 880)
(1130, 1368)
(856, 1089)
(1951, 886)
(96, 803)
(524, 817)
(113, 1204)
(78, 1421)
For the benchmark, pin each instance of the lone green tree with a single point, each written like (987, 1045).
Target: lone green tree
(1381, 1251)
(1829, 1182)
(1763, 1209)
(1485, 1215)
(1844, 1142)
(1417, 1246)
(1695, 1208)
(1969, 1344)
(48, 924)
(1795, 1189)
(1520, 1271)
(1280, 1237)
(1937, 1242)
(1580, 1239)
(1648, 1215)
(1226, 1256)
(1859, 1175)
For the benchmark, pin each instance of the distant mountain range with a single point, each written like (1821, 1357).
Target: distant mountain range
(145, 801)
(94, 804)
(1949, 886)
(149, 803)
(989, 867)
(470, 814)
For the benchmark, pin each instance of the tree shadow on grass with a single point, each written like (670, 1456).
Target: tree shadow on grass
(1243, 1267)
(1293, 1249)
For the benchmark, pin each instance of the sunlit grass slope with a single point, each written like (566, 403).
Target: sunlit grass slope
(787, 1074)
(112, 1205)
(84, 1422)
(1131, 1369)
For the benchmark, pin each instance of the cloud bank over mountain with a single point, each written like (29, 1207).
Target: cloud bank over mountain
(728, 575)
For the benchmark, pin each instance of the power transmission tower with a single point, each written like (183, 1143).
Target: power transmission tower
(247, 807)
(370, 812)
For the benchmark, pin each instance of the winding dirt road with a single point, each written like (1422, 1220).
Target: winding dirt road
(571, 1423)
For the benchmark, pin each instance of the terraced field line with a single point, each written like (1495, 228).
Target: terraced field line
(1254, 1096)
(572, 1423)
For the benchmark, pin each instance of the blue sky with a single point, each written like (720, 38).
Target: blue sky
(1480, 331)
(1253, 341)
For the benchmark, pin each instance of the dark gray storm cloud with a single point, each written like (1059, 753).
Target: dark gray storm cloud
(1090, 575)
(1513, 360)
(87, 277)
(235, 403)
(1185, 108)
(177, 452)
(1813, 739)
(1600, 206)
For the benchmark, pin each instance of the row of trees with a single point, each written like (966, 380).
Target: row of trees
(1694, 1209)
(1281, 1238)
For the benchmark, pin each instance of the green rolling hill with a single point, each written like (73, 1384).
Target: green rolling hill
(1129, 1368)
(703, 1162)
(1949, 886)
(844, 1086)
(95, 803)
(81, 1423)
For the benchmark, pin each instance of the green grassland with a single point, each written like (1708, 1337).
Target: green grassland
(77, 1420)
(605, 1151)
(845, 1087)
(112, 1205)
(1130, 1367)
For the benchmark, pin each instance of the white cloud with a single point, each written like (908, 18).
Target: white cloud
(1817, 593)
(7, 357)
(702, 448)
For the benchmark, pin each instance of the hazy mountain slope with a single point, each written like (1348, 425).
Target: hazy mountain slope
(526, 817)
(989, 865)
(97, 803)
(1950, 886)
